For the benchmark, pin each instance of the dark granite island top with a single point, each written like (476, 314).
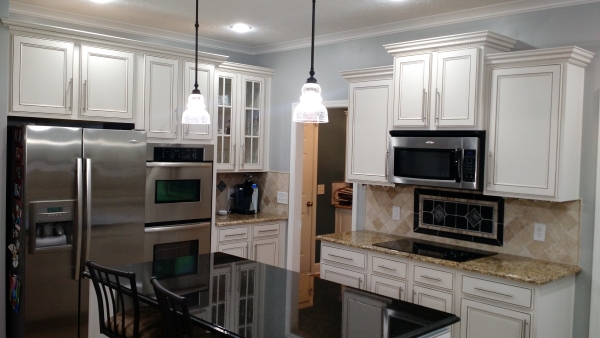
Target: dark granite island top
(236, 297)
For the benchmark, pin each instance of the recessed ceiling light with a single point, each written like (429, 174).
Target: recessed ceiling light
(240, 27)
(101, 1)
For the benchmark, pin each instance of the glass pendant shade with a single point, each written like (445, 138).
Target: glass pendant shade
(311, 108)
(196, 111)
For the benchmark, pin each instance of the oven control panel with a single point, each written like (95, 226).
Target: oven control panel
(469, 163)
(178, 154)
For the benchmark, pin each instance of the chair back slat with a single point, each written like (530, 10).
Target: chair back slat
(175, 312)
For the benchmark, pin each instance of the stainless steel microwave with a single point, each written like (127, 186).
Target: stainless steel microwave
(448, 159)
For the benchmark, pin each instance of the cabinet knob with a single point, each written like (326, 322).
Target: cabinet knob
(309, 204)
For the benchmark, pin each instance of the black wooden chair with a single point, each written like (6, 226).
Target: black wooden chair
(114, 296)
(176, 314)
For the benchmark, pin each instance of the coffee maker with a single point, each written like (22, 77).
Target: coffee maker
(246, 197)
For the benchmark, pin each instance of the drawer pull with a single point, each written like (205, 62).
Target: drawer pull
(494, 292)
(346, 258)
(267, 230)
(231, 235)
(431, 278)
(385, 267)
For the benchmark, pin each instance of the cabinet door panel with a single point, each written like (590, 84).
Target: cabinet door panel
(483, 320)
(433, 299)
(367, 138)
(160, 96)
(388, 287)
(252, 123)
(106, 83)
(239, 249)
(205, 85)
(411, 90)
(226, 120)
(524, 130)
(42, 76)
(456, 88)
(343, 276)
(265, 251)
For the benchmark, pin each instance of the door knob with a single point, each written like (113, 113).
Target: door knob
(309, 204)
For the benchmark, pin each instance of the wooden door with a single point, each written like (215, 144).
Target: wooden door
(523, 130)
(161, 113)
(106, 83)
(227, 121)
(411, 90)
(309, 177)
(42, 76)
(206, 76)
(434, 299)
(388, 287)
(252, 119)
(456, 90)
(266, 251)
(480, 320)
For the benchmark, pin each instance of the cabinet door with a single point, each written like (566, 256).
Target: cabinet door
(42, 75)
(246, 300)
(252, 123)
(161, 76)
(239, 249)
(456, 89)
(343, 276)
(434, 299)
(266, 251)
(206, 76)
(411, 90)
(227, 106)
(106, 83)
(388, 287)
(367, 139)
(220, 296)
(523, 131)
(479, 320)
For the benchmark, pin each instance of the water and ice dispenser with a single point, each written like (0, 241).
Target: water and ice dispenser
(51, 226)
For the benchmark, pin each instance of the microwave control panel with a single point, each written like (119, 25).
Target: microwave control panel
(178, 154)
(469, 165)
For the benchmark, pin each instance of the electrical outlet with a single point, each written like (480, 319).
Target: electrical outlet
(396, 213)
(321, 189)
(539, 232)
(282, 197)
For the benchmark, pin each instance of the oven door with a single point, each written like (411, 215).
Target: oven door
(178, 192)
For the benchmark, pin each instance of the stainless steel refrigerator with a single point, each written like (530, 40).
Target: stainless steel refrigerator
(75, 194)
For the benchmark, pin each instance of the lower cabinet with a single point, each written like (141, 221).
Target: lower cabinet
(388, 287)
(343, 276)
(266, 251)
(434, 299)
(261, 242)
(239, 249)
(490, 321)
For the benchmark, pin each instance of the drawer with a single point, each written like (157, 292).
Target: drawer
(343, 256)
(233, 234)
(343, 276)
(501, 292)
(265, 230)
(433, 277)
(388, 267)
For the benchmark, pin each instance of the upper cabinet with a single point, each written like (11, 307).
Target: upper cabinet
(243, 96)
(438, 82)
(534, 135)
(161, 96)
(206, 78)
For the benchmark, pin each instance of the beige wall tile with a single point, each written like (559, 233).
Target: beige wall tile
(269, 183)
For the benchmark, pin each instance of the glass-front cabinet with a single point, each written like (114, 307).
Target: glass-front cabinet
(242, 119)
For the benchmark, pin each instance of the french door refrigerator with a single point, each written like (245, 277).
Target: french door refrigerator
(75, 195)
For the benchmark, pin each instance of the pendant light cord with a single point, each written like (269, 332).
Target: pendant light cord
(196, 91)
(311, 79)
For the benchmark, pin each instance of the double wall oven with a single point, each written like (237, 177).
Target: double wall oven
(179, 180)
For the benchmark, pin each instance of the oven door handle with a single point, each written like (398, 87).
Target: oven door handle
(179, 164)
(176, 227)
(457, 165)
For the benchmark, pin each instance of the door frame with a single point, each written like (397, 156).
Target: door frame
(295, 192)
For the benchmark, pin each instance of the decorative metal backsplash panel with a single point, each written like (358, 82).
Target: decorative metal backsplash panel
(468, 217)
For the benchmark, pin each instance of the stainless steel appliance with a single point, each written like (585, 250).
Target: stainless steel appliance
(76, 194)
(179, 188)
(435, 250)
(449, 159)
(246, 197)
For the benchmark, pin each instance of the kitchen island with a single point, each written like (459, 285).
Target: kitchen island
(236, 297)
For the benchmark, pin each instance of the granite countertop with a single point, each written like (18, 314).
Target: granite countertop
(238, 219)
(349, 207)
(520, 269)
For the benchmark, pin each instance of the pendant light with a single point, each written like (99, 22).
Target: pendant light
(196, 107)
(311, 108)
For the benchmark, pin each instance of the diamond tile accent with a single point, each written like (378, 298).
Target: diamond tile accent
(473, 217)
(221, 186)
(439, 213)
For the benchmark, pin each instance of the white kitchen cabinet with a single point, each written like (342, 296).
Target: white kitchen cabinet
(261, 242)
(242, 117)
(106, 82)
(388, 287)
(435, 299)
(490, 321)
(266, 251)
(161, 96)
(246, 317)
(438, 82)
(344, 276)
(239, 249)
(42, 80)
(370, 106)
(206, 77)
(536, 107)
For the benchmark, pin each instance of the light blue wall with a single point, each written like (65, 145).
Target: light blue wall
(576, 25)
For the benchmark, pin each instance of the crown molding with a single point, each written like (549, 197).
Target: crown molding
(238, 67)
(573, 55)
(367, 74)
(484, 38)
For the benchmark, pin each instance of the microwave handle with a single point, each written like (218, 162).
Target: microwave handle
(458, 165)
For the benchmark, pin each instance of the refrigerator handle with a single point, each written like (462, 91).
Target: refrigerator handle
(79, 226)
(88, 207)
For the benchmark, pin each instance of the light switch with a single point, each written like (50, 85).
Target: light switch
(320, 189)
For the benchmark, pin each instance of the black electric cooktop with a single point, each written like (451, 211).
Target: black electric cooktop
(436, 250)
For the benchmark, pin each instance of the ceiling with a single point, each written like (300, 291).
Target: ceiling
(276, 24)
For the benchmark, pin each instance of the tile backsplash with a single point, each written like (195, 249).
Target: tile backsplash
(562, 221)
(269, 183)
